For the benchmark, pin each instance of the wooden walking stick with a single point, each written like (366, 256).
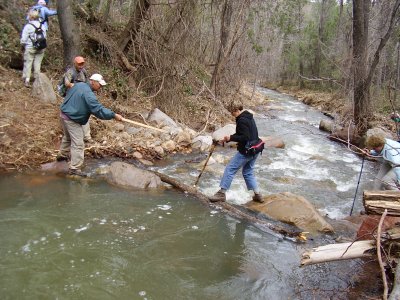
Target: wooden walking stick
(143, 125)
(205, 164)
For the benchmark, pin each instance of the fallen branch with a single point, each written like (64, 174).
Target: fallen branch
(379, 254)
(335, 252)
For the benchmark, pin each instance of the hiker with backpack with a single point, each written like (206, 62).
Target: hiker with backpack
(44, 13)
(74, 74)
(249, 148)
(33, 40)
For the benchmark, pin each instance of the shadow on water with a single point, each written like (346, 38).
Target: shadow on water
(66, 239)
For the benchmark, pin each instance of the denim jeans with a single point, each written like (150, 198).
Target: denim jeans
(237, 162)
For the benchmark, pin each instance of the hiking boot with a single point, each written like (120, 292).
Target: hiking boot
(88, 140)
(218, 196)
(61, 157)
(77, 172)
(258, 198)
(27, 83)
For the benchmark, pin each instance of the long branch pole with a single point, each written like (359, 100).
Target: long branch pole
(205, 164)
(143, 125)
(358, 184)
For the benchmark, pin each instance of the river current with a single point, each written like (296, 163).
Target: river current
(67, 239)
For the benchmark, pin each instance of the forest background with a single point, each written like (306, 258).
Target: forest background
(192, 58)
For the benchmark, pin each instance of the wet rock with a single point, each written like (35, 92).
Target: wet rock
(126, 175)
(55, 167)
(292, 209)
(326, 125)
(379, 131)
(370, 224)
(169, 146)
(159, 150)
(273, 142)
(202, 142)
(224, 131)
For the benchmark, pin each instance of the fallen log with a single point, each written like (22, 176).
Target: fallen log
(282, 230)
(335, 252)
(375, 202)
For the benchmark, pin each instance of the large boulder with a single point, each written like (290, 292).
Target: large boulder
(292, 209)
(273, 142)
(43, 90)
(161, 118)
(126, 175)
(202, 142)
(224, 131)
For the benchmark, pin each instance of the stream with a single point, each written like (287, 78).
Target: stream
(85, 239)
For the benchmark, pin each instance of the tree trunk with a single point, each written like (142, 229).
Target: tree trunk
(226, 17)
(317, 61)
(106, 13)
(69, 31)
(339, 23)
(397, 79)
(375, 202)
(362, 78)
(362, 111)
(133, 26)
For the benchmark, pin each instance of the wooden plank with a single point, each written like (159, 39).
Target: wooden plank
(375, 202)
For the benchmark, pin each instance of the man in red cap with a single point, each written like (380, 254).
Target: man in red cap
(77, 73)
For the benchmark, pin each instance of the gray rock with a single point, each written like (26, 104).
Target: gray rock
(42, 89)
(161, 118)
(126, 175)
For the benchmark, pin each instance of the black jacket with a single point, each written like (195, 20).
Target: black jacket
(246, 130)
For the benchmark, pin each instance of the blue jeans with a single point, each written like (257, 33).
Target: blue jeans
(237, 162)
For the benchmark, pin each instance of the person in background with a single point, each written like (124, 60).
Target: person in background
(74, 74)
(32, 56)
(396, 119)
(246, 130)
(44, 13)
(388, 177)
(76, 109)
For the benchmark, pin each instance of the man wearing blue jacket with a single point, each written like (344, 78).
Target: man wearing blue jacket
(389, 174)
(79, 103)
(44, 13)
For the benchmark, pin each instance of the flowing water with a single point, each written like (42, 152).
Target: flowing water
(66, 239)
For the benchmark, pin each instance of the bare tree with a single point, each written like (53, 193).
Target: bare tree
(133, 26)
(69, 30)
(362, 76)
(362, 104)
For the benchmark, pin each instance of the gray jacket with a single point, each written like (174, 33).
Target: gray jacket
(28, 33)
